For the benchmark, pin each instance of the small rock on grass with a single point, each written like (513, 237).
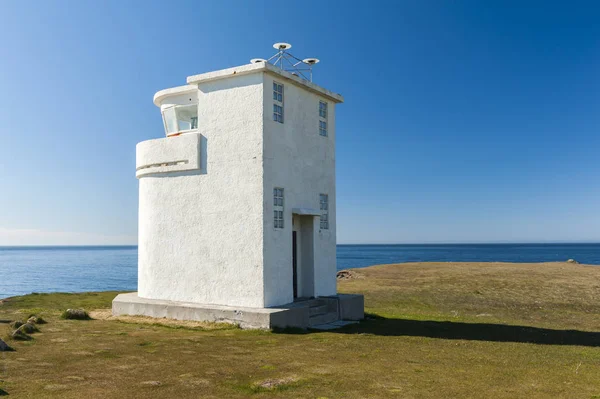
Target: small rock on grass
(16, 324)
(19, 335)
(4, 347)
(28, 328)
(75, 314)
(345, 275)
(36, 320)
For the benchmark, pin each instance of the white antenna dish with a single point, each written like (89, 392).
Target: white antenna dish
(288, 62)
(282, 46)
(311, 61)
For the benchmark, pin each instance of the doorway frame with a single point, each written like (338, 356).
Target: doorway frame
(303, 255)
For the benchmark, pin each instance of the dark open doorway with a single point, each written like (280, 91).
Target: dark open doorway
(295, 263)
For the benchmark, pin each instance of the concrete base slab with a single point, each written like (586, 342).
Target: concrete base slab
(292, 315)
(334, 325)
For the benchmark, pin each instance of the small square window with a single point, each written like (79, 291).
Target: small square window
(323, 128)
(323, 118)
(278, 105)
(278, 205)
(322, 109)
(324, 204)
(277, 113)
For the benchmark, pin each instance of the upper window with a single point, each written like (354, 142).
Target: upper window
(323, 109)
(278, 208)
(324, 202)
(179, 118)
(277, 102)
(323, 118)
(278, 92)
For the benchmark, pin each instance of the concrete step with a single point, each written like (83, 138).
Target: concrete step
(322, 319)
(317, 310)
(310, 302)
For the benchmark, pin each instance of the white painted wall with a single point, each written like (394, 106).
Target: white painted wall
(302, 162)
(206, 230)
(200, 232)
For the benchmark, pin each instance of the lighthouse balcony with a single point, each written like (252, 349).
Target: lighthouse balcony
(168, 155)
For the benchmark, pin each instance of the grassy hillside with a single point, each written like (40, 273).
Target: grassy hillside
(435, 330)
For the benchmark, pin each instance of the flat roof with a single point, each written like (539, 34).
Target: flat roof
(267, 68)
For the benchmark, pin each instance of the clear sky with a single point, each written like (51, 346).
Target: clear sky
(464, 121)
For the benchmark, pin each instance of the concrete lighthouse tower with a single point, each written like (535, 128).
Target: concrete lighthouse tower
(237, 203)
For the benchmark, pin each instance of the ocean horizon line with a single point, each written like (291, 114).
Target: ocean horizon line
(64, 246)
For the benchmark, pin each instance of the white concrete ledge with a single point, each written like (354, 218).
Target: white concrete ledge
(171, 154)
(306, 211)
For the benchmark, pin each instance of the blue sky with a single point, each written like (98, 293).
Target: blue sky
(464, 121)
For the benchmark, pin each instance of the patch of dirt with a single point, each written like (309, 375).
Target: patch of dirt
(106, 314)
(151, 383)
(276, 382)
(83, 353)
(55, 387)
(321, 371)
(190, 379)
(123, 367)
(74, 378)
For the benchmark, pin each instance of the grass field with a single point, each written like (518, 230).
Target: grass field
(436, 330)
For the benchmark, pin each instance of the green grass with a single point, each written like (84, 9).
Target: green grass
(433, 330)
(55, 304)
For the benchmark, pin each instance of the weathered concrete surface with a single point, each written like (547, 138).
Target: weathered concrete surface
(352, 306)
(292, 315)
(201, 230)
(253, 318)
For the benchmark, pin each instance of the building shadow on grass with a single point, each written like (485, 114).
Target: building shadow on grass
(471, 331)
(382, 326)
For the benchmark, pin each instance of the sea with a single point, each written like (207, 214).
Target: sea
(25, 270)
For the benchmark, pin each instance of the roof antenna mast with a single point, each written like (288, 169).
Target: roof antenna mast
(288, 62)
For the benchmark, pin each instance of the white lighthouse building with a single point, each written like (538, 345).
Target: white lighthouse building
(237, 205)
